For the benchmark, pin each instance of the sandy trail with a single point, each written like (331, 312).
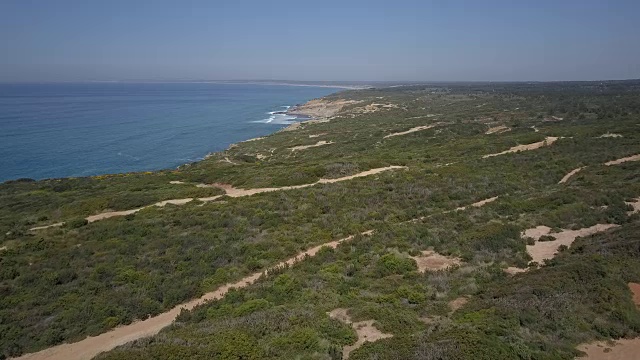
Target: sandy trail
(478, 204)
(229, 190)
(624, 159)
(543, 250)
(92, 346)
(238, 192)
(366, 331)
(475, 204)
(610, 135)
(497, 130)
(570, 174)
(319, 143)
(432, 261)
(317, 135)
(412, 130)
(546, 142)
(110, 214)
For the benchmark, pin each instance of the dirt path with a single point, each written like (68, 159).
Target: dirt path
(110, 214)
(610, 135)
(570, 174)
(92, 346)
(624, 159)
(497, 130)
(546, 142)
(366, 331)
(229, 190)
(319, 143)
(478, 204)
(412, 130)
(238, 192)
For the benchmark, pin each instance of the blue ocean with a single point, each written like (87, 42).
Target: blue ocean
(72, 130)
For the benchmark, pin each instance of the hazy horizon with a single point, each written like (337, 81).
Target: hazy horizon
(356, 41)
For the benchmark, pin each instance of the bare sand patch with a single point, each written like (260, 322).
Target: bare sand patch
(544, 250)
(623, 349)
(46, 226)
(546, 142)
(624, 159)
(479, 203)
(412, 130)
(635, 291)
(316, 135)
(535, 129)
(176, 182)
(3, 248)
(635, 204)
(319, 143)
(610, 135)
(570, 174)
(432, 261)
(228, 161)
(458, 303)
(92, 346)
(371, 108)
(321, 108)
(497, 130)
(366, 331)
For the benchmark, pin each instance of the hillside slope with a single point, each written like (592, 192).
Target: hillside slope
(453, 211)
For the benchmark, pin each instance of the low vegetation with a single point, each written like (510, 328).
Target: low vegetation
(65, 283)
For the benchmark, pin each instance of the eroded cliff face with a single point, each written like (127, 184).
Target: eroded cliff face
(321, 108)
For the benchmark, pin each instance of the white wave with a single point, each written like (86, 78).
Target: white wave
(278, 119)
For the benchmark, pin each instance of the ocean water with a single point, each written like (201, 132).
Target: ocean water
(71, 130)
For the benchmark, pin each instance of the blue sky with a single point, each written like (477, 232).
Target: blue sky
(68, 40)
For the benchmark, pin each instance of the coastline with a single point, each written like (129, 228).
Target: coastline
(300, 117)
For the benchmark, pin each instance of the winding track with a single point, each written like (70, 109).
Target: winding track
(229, 191)
(92, 346)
